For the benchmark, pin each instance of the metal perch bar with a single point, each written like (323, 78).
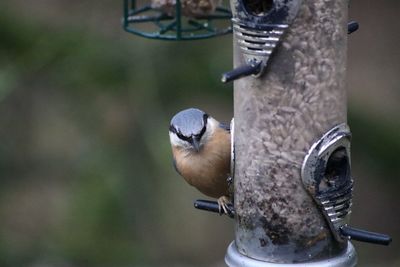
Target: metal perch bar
(241, 71)
(213, 206)
(366, 236)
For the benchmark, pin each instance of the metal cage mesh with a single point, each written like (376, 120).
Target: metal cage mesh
(151, 22)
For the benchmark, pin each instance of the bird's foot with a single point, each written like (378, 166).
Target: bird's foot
(223, 204)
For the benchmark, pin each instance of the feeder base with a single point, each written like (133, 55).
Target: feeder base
(234, 259)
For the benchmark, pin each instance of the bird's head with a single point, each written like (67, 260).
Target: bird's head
(191, 128)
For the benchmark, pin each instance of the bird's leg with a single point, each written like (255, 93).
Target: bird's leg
(223, 204)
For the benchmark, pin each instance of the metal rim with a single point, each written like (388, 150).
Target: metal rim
(347, 259)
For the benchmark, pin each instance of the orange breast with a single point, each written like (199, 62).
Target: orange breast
(208, 169)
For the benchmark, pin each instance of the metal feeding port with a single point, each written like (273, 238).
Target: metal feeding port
(177, 19)
(258, 26)
(326, 175)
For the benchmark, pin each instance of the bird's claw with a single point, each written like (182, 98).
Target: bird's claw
(223, 203)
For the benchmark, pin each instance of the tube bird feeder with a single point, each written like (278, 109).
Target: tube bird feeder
(292, 179)
(278, 117)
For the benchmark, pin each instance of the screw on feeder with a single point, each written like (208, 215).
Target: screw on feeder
(352, 26)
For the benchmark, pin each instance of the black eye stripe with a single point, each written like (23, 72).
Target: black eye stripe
(181, 136)
(202, 131)
(172, 129)
(178, 133)
(175, 131)
(205, 118)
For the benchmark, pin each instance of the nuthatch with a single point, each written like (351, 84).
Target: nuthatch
(201, 148)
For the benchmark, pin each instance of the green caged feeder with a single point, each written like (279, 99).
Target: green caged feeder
(177, 19)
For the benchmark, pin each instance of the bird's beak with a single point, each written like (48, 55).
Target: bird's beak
(195, 143)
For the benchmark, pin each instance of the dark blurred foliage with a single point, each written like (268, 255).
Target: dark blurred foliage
(86, 176)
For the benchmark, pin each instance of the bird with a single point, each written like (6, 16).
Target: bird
(201, 150)
(189, 8)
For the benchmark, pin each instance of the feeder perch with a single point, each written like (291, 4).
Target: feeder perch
(177, 19)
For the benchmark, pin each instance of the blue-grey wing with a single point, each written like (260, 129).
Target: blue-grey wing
(225, 126)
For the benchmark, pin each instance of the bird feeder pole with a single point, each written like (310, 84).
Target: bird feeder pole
(279, 115)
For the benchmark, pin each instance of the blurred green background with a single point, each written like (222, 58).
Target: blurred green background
(85, 165)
